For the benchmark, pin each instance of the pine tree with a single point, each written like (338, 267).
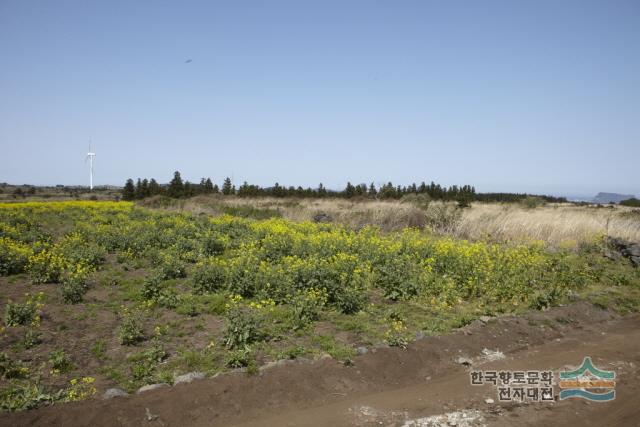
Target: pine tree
(226, 186)
(138, 193)
(244, 190)
(321, 190)
(144, 188)
(208, 186)
(277, 190)
(188, 189)
(373, 193)
(349, 191)
(154, 188)
(387, 191)
(176, 187)
(129, 191)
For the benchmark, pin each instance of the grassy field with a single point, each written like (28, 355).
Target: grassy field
(103, 294)
(552, 224)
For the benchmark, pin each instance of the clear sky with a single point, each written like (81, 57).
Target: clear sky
(537, 96)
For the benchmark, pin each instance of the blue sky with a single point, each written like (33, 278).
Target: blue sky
(539, 96)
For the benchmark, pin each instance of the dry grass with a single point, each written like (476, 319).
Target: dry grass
(388, 215)
(553, 224)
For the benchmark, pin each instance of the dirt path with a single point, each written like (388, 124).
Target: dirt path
(394, 387)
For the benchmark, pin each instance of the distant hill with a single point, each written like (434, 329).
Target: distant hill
(611, 197)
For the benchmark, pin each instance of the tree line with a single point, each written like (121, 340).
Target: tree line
(633, 202)
(179, 188)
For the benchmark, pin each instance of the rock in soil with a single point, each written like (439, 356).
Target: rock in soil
(362, 350)
(114, 392)
(151, 387)
(187, 378)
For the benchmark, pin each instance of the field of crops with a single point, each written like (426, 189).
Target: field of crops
(103, 294)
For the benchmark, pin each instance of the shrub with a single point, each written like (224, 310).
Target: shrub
(145, 362)
(60, 361)
(213, 246)
(77, 250)
(10, 369)
(241, 275)
(307, 306)
(131, 329)
(31, 338)
(78, 390)
(532, 202)
(171, 267)
(14, 256)
(400, 277)
(549, 298)
(188, 305)
(396, 335)
(28, 313)
(46, 267)
(350, 300)
(73, 288)
(154, 291)
(209, 277)
(242, 327)
(239, 358)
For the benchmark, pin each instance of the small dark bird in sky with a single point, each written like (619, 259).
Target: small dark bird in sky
(188, 61)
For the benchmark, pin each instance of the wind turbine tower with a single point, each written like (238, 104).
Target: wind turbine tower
(90, 156)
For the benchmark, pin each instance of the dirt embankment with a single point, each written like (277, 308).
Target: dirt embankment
(424, 385)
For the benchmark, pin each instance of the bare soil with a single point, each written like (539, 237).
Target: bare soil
(396, 387)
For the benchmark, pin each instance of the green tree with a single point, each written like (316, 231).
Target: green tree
(226, 186)
(176, 186)
(372, 192)
(138, 193)
(144, 188)
(129, 191)
(322, 191)
(154, 188)
(208, 186)
(349, 191)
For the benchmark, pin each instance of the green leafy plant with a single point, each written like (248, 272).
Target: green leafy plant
(239, 358)
(31, 338)
(171, 267)
(130, 328)
(307, 306)
(10, 369)
(397, 335)
(145, 362)
(22, 314)
(46, 266)
(209, 277)
(14, 256)
(20, 396)
(242, 327)
(73, 288)
(154, 291)
(60, 361)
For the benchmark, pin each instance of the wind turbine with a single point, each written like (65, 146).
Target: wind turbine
(90, 156)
